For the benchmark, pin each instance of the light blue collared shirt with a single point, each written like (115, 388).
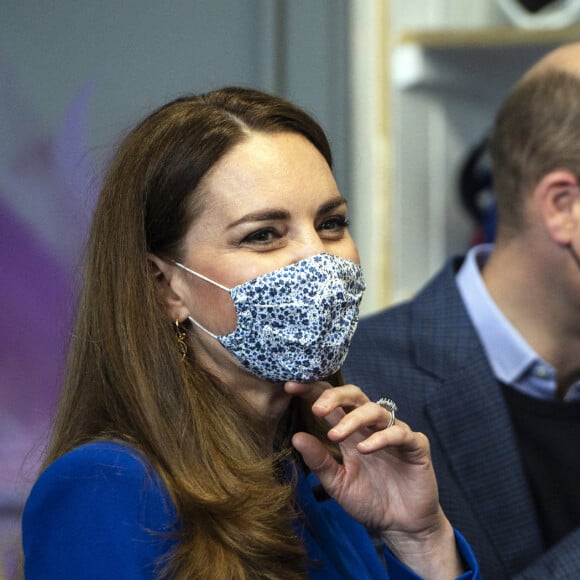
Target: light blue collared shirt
(512, 359)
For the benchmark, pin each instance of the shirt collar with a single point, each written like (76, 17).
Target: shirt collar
(509, 354)
(512, 359)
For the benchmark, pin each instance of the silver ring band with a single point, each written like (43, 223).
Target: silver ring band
(391, 407)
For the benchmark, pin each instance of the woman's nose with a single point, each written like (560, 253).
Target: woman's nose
(307, 245)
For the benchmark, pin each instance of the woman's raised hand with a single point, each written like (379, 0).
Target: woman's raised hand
(386, 479)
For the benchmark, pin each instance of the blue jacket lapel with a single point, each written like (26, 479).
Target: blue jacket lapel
(460, 410)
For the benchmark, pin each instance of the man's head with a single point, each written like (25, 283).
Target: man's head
(536, 136)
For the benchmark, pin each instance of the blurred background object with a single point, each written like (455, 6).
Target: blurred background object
(475, 185)
(541, 13)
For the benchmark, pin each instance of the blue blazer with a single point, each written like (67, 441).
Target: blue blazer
(101, 513)
(425, 355)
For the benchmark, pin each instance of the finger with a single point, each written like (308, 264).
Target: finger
(411, 445)
(370, 415)
(307, 391)
(311, 393)
(391, 437)
(346, 396)
(317, 458)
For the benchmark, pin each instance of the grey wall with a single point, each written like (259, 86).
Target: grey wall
(140, 53)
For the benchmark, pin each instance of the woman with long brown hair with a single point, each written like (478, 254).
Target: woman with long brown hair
(198, 435)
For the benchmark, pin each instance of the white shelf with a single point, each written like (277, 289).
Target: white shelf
(446, 86)
(485, 38)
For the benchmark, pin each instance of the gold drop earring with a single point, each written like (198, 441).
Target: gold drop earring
(181, 335)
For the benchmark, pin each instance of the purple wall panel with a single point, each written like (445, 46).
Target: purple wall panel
(46, 198)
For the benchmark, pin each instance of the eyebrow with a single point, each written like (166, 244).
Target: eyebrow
(330, 205)
(261, 216)
(279, 214)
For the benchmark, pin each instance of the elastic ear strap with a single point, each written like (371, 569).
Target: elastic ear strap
(193, 320)
(200, 326)
(202, 277)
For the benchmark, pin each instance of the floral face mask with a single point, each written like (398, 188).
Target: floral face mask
(295, 323)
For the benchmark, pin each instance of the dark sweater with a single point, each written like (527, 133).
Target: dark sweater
(548, 434)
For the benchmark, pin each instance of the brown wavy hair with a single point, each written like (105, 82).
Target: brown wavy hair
(125, 379)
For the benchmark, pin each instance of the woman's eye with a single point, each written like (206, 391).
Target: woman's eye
(334, 223)
(263, 236)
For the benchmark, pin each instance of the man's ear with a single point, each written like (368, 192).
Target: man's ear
(171, 287)
(558, 194)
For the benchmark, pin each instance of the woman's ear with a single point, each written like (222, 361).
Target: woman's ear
(171, 287)
(558, 194)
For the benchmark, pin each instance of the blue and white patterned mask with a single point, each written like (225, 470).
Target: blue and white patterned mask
(295, 323)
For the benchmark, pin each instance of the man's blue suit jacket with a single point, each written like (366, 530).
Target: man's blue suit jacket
(425, 354)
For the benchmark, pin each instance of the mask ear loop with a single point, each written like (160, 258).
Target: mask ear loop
(206, 279)
(179, 265)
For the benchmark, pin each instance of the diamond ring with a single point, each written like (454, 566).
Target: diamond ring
(391, 407)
